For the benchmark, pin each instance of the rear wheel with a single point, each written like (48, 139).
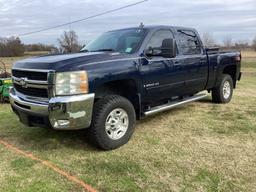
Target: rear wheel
(224, 91)
(113, 122)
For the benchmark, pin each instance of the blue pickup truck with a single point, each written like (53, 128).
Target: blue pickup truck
(122, 76)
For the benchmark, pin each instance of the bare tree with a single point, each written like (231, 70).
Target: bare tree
(10, 47)
(241, 44)
(208, 40)
(39, 47)
(254, 44)
(228, 41)
(69, 42)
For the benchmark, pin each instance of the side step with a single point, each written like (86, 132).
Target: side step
(173, 104)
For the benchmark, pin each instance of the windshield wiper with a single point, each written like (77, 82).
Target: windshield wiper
(104, 50)
(84, 50)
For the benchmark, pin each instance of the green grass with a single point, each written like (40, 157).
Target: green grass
(22, 174)
(249, 64)
(198, 147)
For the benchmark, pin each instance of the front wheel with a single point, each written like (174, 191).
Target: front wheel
(113, 122)
(224, 91)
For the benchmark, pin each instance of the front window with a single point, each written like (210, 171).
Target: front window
(156, 41)
(123, 41)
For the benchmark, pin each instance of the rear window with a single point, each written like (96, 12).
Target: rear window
(189, 42)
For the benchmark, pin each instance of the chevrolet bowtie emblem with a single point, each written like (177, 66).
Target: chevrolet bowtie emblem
(23, 82)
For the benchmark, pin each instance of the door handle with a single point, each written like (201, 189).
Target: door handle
(176, 63)
(202, 60)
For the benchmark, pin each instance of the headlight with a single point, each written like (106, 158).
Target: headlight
(71, 83)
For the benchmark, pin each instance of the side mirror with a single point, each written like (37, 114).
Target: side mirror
(153, 52)
(168, 48)
(149, 51)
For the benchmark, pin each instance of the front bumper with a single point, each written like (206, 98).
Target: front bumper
(62, 113)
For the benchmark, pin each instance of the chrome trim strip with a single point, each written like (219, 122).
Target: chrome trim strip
(31, 83)
(17, 79)
(36, 108)
(32, 99)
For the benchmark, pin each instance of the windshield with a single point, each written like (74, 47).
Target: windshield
(123, 41)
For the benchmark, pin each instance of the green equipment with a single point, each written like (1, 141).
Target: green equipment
(5, 83)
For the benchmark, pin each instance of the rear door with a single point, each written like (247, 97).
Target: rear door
(194, 61)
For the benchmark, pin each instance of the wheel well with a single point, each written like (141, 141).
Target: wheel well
(231, 70)
(125, 88)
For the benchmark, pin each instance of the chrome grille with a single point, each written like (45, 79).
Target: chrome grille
(31, 82)
(31, 75)
(34, 92)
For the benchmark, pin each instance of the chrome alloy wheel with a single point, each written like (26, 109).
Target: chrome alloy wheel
(117, 124)
(226, 89)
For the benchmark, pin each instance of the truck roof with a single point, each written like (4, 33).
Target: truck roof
(154, 27)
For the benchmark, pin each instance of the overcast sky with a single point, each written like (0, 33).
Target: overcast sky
(236, 18)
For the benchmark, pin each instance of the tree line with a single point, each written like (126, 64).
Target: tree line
(228, 42)
(10, 47)
(39, 47)
(68, 43)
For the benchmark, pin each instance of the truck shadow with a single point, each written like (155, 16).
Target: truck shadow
(205, 100)
(46, 139)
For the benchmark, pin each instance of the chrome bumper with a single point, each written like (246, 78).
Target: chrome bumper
(63, 113)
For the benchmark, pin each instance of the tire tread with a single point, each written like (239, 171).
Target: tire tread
(99, 109)
(217, 96)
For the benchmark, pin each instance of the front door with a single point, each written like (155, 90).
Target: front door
(162, 77)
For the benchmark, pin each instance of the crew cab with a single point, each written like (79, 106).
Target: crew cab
(122, 76)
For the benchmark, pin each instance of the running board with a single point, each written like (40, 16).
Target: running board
(173, 104)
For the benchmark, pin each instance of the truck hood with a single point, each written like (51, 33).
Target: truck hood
(68, 62)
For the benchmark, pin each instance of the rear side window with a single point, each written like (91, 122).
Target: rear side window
(189, 42)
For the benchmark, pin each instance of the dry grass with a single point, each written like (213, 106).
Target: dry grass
(9, 61)
(198, 147)
(249, 54)
(249, 59)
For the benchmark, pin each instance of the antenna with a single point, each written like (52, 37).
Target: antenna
(142, 25)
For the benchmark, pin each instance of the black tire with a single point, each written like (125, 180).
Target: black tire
(102, 109)
(218, 95)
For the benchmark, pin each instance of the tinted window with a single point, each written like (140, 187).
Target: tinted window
(157, 39)
(189, 42)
